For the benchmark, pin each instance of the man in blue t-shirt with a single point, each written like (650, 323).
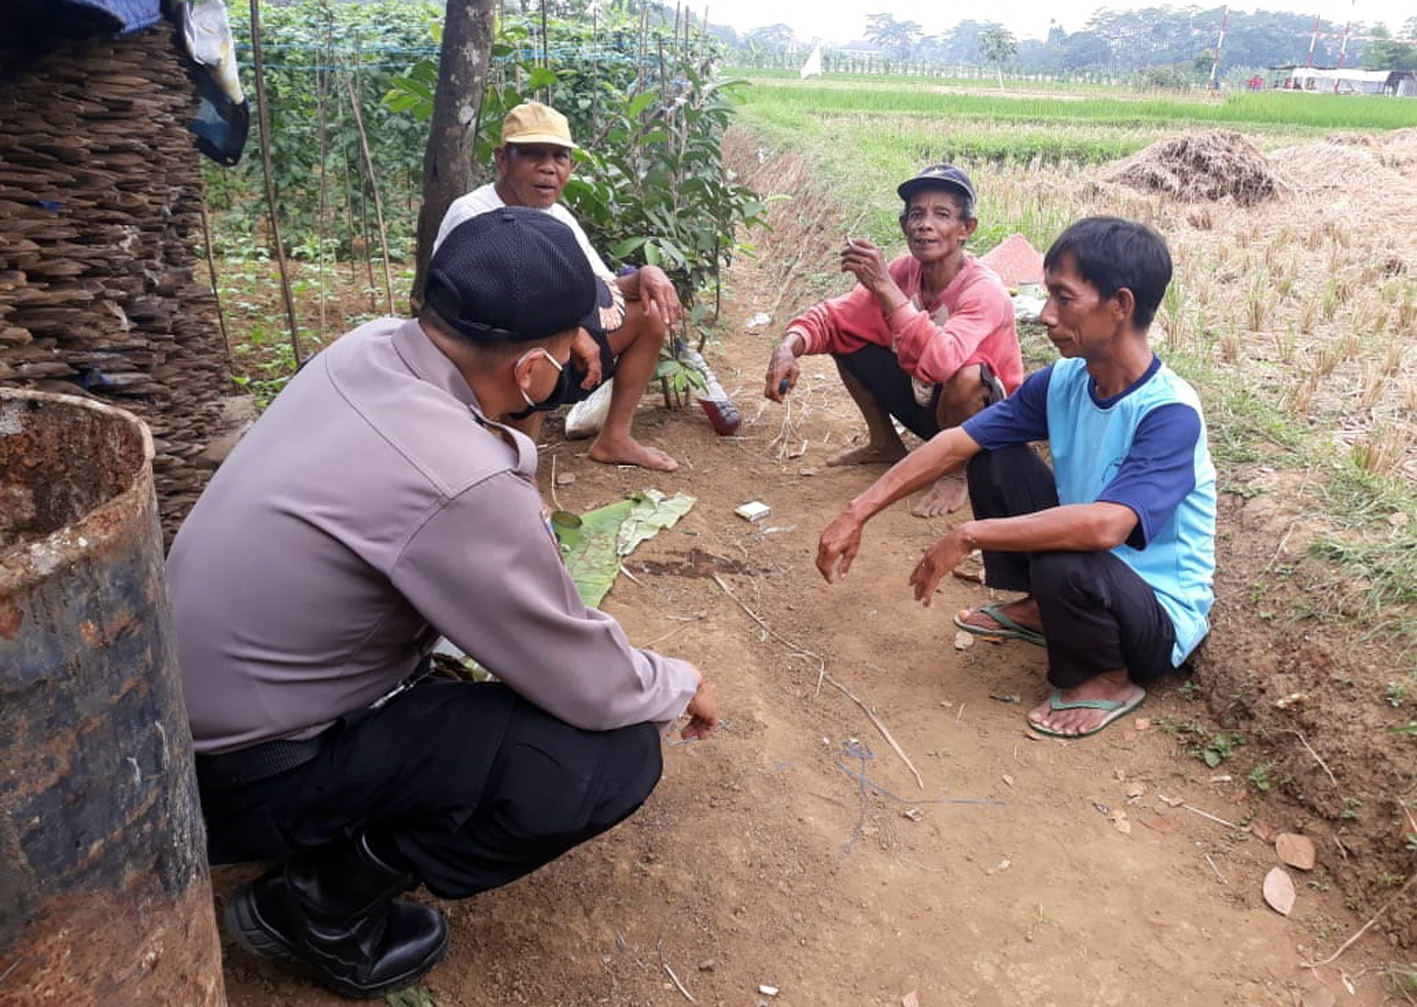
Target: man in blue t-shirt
(1114, 546)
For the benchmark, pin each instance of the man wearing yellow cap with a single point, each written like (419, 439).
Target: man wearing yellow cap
(534, 163)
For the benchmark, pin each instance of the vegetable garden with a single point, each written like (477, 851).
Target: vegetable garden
(350, 93)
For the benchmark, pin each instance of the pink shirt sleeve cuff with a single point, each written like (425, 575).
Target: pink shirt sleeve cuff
(901, 317)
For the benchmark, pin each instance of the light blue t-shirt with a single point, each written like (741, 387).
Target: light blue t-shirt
(1145, 449)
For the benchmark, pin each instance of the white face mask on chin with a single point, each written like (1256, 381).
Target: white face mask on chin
(558, 392)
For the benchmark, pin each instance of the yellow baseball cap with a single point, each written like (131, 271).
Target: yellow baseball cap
(533, 122)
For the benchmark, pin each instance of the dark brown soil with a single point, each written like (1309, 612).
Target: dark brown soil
(694, 563)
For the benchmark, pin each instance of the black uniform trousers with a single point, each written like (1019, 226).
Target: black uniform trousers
(470, 784)
(1098, 614)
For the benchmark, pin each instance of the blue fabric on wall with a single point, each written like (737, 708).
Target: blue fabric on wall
(131, 15)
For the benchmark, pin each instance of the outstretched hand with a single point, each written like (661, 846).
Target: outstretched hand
(838, 547)
(939, 559)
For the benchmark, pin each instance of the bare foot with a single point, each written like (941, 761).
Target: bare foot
(1024, 612)
(631, 452)
(1112, 686)
(948, 495)
(869, 454)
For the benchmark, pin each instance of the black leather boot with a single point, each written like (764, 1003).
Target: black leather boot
(334, 911)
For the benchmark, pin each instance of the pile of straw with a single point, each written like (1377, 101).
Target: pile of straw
(1326, 165)
(1214, 165)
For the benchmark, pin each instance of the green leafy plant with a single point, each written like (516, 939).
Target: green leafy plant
(413, 996)
(1211, 747)
(317, 53)
(650, 185)
(678, 376)
(1404, 980)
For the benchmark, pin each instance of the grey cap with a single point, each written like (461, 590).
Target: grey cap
(937, 176)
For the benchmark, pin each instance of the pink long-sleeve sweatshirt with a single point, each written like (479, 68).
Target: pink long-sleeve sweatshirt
(979, 327)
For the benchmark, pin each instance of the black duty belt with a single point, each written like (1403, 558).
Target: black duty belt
(258, 762)
(271, 758)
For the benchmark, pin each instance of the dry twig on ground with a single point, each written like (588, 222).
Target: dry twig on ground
(1363, 929)
(822, 676)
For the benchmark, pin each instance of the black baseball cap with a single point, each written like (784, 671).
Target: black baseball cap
(517, 274)
(937, 176)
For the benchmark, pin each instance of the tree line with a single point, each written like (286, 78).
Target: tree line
(1121, 42)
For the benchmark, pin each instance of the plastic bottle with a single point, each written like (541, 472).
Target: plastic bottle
(713, 400)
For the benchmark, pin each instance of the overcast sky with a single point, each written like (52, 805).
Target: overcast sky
(844, 20)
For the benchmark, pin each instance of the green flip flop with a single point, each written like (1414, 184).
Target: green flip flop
(1008, 629)
(1115, 709)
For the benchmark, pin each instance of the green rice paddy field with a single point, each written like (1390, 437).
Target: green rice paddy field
(864, 131)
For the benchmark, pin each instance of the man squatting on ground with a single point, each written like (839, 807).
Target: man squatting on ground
(373, 507)
(1115, 546)
(928, 339)
(534, 163)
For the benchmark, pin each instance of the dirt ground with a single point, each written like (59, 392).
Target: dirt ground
(764, 859)
(796, 851)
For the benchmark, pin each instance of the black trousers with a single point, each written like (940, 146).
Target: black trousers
(474, 786)
(878, 369)
(1098, 615)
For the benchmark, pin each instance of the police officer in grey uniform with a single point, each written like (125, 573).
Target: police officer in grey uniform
(371, 509)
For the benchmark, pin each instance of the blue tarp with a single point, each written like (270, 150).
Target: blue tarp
(130, 15)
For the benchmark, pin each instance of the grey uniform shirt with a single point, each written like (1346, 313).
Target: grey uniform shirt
(369, 510)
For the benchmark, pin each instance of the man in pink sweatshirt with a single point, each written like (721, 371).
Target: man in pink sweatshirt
(928, 339)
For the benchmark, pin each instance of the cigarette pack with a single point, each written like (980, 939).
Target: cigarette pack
(754, 510)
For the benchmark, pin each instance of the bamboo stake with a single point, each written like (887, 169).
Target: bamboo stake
(545, 59)
(364, 198)
(216, 294)
(594, 63)
(368, 242)
(717, 297)
(643, 49)
(265, 120)
(348, 202)
(374, 188)
(322, 83)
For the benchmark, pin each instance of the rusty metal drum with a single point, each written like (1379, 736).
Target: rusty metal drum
(105, 897)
